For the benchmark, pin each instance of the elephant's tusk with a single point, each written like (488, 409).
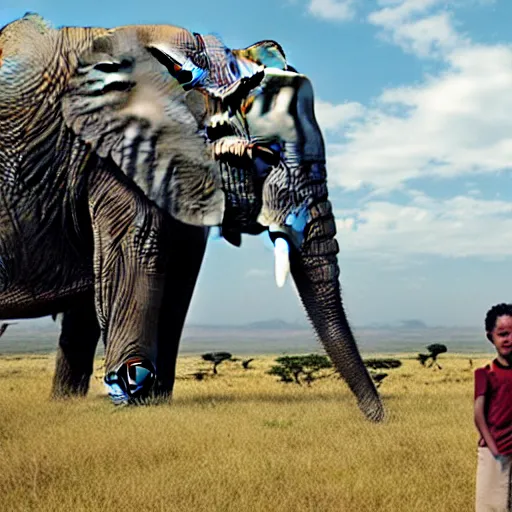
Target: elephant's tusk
(282, 260)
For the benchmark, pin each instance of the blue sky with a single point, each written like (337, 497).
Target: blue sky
(414, 98)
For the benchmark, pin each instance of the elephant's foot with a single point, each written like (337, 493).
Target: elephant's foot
(132, 382)
(72, 374)
(77, 345)
(69, 385)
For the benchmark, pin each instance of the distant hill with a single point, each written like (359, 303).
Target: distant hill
(275, 325)
(402, 324)
(299, 339)
(413, 324)
(269, 337)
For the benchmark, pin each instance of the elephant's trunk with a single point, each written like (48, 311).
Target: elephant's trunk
(295, 209)
(315, 271)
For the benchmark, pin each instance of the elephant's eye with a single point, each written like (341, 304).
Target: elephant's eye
(233, 68)
(183, 76)
(232, 65)
(174, 68)
(172, 65)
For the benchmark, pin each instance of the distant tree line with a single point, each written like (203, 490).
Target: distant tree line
(305, 369)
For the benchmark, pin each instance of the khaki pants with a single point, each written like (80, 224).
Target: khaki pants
(493, 483)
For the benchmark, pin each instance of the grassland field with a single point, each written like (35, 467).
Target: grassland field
(240, 441)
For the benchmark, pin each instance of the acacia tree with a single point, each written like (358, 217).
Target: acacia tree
(435, 349)
(382, 364)
(300, 369)
(216, 358)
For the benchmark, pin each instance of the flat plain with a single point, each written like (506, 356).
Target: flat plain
(240, 441)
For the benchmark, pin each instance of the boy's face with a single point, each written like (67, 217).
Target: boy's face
(501, 336)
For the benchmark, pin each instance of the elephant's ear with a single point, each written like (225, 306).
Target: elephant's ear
(125, 105)
(267, 53)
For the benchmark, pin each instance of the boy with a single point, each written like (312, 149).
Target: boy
(493, 416)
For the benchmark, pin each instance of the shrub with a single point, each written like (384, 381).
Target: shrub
(300, 369)
(216, 358)
(382, 364)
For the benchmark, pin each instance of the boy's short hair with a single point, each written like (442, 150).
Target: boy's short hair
(493, 314)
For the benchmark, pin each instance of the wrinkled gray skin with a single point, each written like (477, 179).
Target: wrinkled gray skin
(296, 187)
(87, 225)
(135, 269)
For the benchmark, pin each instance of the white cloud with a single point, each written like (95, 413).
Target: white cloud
(456, 123)
(334, 10)
(457, 227)
(429, 36)
(337, 117)
(394, 12)
(422, 27)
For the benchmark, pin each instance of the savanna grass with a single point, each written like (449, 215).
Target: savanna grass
(239, 441)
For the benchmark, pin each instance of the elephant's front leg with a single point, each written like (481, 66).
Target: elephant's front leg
(186, 251)
(129, 279)
(77, 345)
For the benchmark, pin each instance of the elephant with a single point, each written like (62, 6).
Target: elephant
(119, 148)
(74, 215)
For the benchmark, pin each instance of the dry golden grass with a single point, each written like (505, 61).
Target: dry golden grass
(239, 442)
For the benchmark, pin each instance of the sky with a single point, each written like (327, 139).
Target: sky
(414, 98)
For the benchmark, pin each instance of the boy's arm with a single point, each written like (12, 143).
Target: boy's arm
(482, 427)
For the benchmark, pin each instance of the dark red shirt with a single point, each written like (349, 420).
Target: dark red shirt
(494, 381)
